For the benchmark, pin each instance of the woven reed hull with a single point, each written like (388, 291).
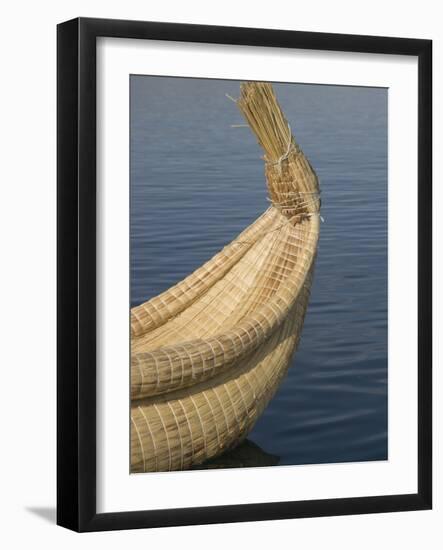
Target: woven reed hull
(208, 354)
(195, 424)
(235, 315)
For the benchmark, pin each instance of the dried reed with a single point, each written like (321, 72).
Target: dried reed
(209, 353)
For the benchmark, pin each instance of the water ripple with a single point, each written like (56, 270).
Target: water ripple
(196, 182)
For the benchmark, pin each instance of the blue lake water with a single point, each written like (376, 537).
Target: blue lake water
(196, 182)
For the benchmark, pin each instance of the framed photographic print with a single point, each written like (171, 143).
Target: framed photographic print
(244, 274)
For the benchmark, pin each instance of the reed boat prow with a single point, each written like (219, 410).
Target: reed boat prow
(208, 354)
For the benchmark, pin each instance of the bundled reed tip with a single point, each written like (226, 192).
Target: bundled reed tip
(261, 110)
(208, 354)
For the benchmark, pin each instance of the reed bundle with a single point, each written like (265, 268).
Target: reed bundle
(208, 354)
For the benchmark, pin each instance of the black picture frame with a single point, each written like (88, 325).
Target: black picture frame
(76, 266)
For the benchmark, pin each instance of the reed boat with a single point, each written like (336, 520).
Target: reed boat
(208, 354)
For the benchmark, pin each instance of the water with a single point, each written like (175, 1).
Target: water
(196, 182)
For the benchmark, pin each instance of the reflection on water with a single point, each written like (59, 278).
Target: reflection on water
(196, 182)
(245, 455)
